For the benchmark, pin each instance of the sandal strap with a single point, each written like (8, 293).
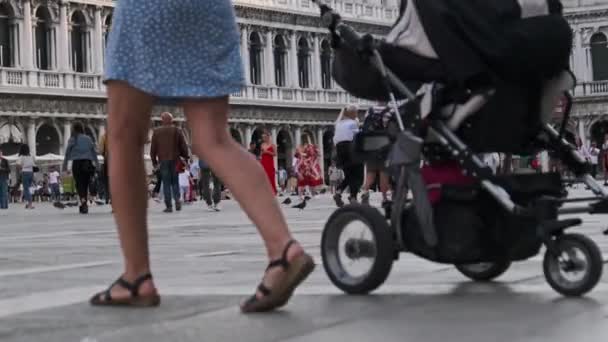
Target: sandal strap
(283, 261)
(263, 289)
(132, 287)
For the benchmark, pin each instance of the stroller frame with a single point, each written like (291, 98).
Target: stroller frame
(405, 157)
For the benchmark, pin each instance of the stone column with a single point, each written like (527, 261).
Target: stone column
(581, 131)
(274, 134)
(316, 65)
(63, 62)
(98, 42)
(298, 136)
(248, 133)
(27, 60)
(321, 152)
(31, 136)
(102, 130)
(67, 132)
(245, 54)
(578, 53)
(269, 65)
(293, 61)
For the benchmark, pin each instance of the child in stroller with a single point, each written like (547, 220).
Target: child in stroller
(464, 78)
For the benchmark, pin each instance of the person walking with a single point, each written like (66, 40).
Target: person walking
(308, 168)
(376, 168)
(167, 149)
(184, 184)
(26, 165)
(335, 177)
(104, 180)
(283, 176)
(207, 176)
(346, 127)
(209, 70)
(5, 173)
(268, 152)
(195, 173)
(83, 153)
(54, 180)
(593, 153)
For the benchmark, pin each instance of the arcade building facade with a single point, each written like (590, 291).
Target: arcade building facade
(52, 58)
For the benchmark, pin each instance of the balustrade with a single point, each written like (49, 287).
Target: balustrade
(40, 81)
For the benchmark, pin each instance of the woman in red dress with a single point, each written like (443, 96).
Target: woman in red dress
(308, 168)
(269, 151)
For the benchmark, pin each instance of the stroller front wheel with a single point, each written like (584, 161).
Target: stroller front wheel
(575, 267)
(357, 248)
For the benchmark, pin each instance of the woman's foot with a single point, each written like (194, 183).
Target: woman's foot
(84, 208)
(281, 279)
(139, 292)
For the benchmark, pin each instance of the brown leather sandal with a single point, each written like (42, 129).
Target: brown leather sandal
(296, 272)
(105, 298)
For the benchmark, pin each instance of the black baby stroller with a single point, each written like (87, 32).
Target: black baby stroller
(464, 78)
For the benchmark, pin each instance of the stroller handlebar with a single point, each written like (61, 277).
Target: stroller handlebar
(333, 21)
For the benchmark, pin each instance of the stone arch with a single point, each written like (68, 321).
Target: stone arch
(8, 35)
(11, 6)
(48, 139)
(52, 15)
(11, 137)
(107, 27)
(304, 55)
(43, 38)
(236, 135)
(81, 10)
(599, 55)
(310, 133)
(256, 139)
(598, 130)
(79, 53)
(326, 58)
(285, 147)
(280, 55)
(328, 149)
(91, 132)
(256, 61)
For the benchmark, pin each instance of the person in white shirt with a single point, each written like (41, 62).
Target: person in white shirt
(54, 179)
(26, 165)
(184, 184)
(492, 160)
(347, 125)
(195, 172)
(593, 153)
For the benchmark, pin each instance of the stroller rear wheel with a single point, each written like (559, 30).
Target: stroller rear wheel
(575, 267)
(357, 248)
(484, 271)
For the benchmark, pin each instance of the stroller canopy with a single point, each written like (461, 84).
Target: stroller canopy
(514, 39)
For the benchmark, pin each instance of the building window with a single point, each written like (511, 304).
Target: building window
(106, 29)
(599, 56)
(8, 35)
(79, 40)
(43, 36)
(303, 63)
(255, 57)
(325, 65)
(280, 61)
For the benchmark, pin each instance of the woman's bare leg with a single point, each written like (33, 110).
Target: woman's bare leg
(128, 125)
(242, 174)
(385, 185)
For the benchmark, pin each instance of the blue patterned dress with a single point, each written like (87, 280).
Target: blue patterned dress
(175, 49)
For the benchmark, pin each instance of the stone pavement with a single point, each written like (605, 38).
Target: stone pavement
(205, 263)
